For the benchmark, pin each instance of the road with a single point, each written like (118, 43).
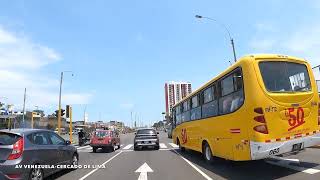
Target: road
(169, 163)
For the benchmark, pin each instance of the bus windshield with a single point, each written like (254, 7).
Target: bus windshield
(285, 76)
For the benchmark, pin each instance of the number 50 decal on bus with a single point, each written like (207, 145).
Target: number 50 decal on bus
(295, 119)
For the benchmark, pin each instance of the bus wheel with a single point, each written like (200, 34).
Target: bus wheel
(207, 153)
(182, 149)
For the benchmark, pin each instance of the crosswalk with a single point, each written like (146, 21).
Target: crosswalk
(128, 147)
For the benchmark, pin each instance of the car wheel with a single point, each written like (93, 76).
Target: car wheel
(135, 148)
(207, 153)
(157, 148)
(36, 174)
(75, 161)
(112, 148)
(94, 149)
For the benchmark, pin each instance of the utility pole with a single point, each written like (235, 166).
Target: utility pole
(59, 110)
(70, 124)
(84, 114)
(131, 119)
(24, 107)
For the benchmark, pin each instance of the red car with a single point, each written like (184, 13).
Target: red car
(105, 139)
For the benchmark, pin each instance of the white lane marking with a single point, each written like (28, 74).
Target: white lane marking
(173, 145)
(103, 164)
(143, 170)
(163, 146)
(88, 149)
(194, 167)
(286, 164)
(82, 147)
(128, 146)
(127, 150)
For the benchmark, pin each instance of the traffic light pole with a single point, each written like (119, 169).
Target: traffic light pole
(59, 110)
(70, 123)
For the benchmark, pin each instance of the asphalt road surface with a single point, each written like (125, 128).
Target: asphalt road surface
(169, 163)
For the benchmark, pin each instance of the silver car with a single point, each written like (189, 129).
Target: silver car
(146, 137)
(34, 154)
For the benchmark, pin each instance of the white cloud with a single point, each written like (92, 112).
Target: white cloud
(16, 51)
(22, 65)
(302, 41)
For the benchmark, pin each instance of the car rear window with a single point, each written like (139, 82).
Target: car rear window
(102, 134)
(146, 131)
(8, 138)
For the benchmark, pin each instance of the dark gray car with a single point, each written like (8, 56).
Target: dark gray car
(146, 138)
(34, 154)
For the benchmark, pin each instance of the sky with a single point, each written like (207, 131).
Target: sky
(122, 52)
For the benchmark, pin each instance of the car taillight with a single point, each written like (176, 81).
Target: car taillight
(261, 129)
(17, 150)
(261, 119)
(13, 176)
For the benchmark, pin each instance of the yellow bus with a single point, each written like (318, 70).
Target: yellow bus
(263, 105)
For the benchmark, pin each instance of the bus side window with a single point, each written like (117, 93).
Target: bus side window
(195, 108)
(210, 104)
(173, 116)
(231, 93)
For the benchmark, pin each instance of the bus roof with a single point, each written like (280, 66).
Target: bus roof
(239, 61)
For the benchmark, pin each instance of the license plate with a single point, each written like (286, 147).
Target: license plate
(297, 147)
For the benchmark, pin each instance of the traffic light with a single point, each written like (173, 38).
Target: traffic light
(62, 112)
(68, 111)
(57, 113)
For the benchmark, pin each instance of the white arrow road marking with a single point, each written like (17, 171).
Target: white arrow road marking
(128, 146)
(173, 145)
(143, 170)
(163, 146)
(286, 164)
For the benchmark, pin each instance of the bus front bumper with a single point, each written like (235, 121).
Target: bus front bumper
(262, 150)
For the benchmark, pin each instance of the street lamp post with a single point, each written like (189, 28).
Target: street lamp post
(59, 110)
(225, 27)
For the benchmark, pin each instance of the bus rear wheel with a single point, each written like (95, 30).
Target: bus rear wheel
(207, 153)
